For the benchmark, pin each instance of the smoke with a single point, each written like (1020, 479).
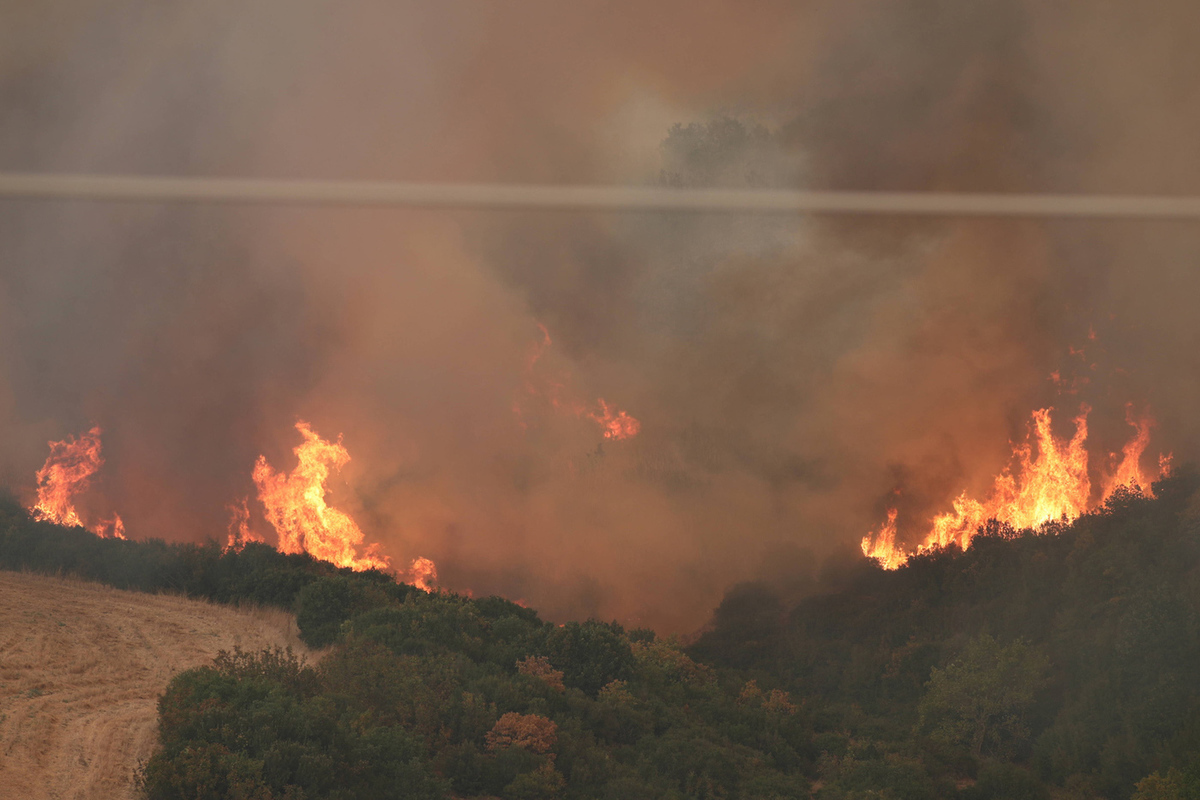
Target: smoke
(790, 375)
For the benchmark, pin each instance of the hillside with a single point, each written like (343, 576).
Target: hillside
(1060, 664)
(81, 668)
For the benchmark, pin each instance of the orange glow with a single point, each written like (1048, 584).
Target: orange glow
(294, 504)
(615, 423)
(423, 574)
(240, 532)
(67, 472)
(1047, 481)
(110, 528)
(881, 546)
(1129, 471)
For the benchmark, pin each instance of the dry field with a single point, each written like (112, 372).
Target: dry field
(81, 667)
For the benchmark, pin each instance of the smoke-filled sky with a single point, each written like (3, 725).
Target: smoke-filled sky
(790, 374)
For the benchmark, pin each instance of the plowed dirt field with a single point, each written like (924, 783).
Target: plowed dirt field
(81, 668)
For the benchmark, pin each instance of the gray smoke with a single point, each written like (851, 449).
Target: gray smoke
(790, 374)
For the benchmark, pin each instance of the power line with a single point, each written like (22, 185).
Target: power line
(585, 198)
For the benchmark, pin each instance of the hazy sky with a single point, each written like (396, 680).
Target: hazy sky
(789, 374)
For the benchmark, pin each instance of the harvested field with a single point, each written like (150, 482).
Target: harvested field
(81, 668)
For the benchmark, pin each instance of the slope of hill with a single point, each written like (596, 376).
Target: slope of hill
(1065, 662)
(81, 668)
(1054, 665)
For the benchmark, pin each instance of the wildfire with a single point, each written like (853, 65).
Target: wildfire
(1129, 471)
(615, 423)
(423, 574)
(110, 528)
(883, 549)
(294, 504)
(1044, 484)
(68, 472)
(240, 532)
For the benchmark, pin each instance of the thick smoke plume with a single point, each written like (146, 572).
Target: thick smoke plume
(793, 378)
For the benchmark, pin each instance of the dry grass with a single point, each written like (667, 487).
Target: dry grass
(81, 668)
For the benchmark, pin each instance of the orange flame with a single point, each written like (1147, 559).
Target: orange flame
(240, 532)
(67, 472)
(615, 423)
(110, 528)
(295, 506)
(882, 546)
(423, 574)
(1129, 471)
(1052, 485)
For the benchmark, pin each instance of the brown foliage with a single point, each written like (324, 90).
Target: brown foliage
(536, 734)
(539, 667)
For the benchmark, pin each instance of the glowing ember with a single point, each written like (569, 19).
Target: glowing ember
(67, 472)
(240, 532)
(1052, 484)
(423, 574)
(295, 506)
(615, 423)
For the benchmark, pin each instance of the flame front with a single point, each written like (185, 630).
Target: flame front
(67, 473)
(881, 546)
(294, 504)
(1046, 484)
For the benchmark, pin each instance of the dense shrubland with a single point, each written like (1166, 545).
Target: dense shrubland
(1030, 666)
(1064, 663)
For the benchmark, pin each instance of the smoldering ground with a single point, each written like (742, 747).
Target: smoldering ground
(791, 375)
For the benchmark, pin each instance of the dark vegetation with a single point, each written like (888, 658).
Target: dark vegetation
(1061, 665)
(429, 695)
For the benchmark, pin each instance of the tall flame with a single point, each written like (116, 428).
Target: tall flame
(67, 473)
(294, 504)
(1051, 483)
(882, 545)
(240, 532)
(1129, 471)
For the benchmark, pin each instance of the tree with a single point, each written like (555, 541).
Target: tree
(535, 733)
(590, 654)
(982, 695)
